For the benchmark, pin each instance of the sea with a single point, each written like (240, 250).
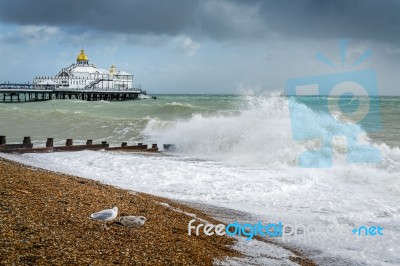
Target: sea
(241, 153)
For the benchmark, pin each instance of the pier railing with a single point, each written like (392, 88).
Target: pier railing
(91, 84)
(15, 86)
(15, 95)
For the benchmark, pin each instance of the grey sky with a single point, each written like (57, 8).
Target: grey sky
(288, 31)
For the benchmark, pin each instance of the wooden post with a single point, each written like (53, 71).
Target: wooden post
(69, 142)
(27, 140)
(124, 144)
(2, 140)
(49, 143)
(154, 146)
(89, 142)
(104, 143)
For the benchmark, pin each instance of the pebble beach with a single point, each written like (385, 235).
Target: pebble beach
(45, 221)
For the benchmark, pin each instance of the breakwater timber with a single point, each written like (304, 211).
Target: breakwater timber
(27, 147)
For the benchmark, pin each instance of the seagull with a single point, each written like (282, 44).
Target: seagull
(105, 215)
(132, 221)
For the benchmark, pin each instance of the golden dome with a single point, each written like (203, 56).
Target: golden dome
(82, 57)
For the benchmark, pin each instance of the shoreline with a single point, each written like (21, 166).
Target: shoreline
(45, 219)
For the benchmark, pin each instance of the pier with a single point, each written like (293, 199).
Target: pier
(79, 81)
(27, 147)
(17, 93)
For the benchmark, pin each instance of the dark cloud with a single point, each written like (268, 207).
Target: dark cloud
(138, 17)
(356, 19)
(221, 20)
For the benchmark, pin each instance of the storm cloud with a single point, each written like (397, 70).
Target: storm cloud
(218, 20)
(356, 19)
(155, 17)
(201, 46)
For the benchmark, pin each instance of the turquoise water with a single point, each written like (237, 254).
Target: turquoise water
(386, 109)
(125, 121)
(112, 121)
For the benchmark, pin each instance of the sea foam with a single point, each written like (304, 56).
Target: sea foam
(247, 160)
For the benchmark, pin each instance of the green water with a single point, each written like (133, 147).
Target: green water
(125, 121)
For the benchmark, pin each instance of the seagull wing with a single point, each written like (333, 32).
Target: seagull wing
(131, 221)
(103, 215)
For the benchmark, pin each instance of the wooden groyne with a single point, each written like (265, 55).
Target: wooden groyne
(27, 147)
